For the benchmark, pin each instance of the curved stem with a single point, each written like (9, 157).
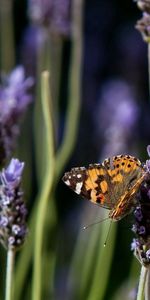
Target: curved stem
(45, 191)
(9, 273)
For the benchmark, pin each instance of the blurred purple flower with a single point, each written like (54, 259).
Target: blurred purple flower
(13, 95)
(117, 117)
(14, 99)
(13, 211)
(53, 14)
(29, 49)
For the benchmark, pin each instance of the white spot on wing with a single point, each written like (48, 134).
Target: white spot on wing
(78, 187)
(67, 182)
(79, 175)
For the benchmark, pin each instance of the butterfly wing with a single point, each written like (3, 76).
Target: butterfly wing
(90, 183)
(126, 175)
(110, 184)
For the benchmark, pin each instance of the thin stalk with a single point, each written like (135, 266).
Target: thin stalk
(141, 287)
(27, 251)
(45, 190)
(74, 102)
(9, 274)
(103, 264)
(24, 259)
(55, 49)
(147, 285)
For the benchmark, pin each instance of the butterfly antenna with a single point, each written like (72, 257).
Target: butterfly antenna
(110, 224)
(100, 221)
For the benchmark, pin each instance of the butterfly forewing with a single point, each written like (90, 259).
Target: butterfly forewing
(90, 183)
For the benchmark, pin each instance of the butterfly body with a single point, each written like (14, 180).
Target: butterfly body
(112, 184)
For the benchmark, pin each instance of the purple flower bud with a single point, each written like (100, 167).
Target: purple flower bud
(16, 229)
(148, 165)
(141, 230)
(148, 254)
(134, 228)
(143, 25)
(11, 241)
(148, 150)
(13, 212)
(3, 221)
(138, 213)
(135, 244)
(12, 174)
(144, 5)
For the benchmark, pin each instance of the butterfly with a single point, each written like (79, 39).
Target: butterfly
(112, 184)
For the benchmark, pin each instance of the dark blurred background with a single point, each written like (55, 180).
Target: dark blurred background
(114, 115)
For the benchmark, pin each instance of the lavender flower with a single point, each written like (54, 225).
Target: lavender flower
(53, 14)
(141, 227)
(14, 99)
(13, 211)
(143, 25)
(138, 213)
(134, 244)
(144, 5)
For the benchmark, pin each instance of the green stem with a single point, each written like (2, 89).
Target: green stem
(147, 285)
(9, 274)
(46, 188)
(55, 49)
(141, 287)
(103, 264)
(25, 257)
(73, 113)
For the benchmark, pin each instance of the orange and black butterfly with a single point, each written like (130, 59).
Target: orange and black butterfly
(112, 184)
